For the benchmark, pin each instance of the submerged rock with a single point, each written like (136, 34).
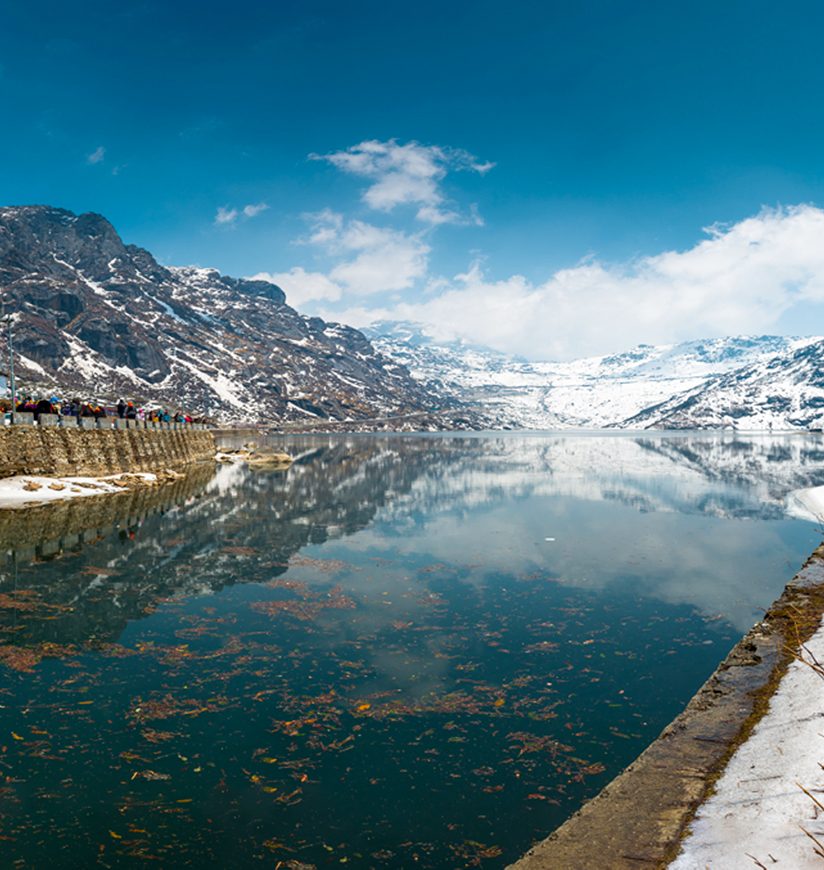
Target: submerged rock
(262, 460)
(269, 461)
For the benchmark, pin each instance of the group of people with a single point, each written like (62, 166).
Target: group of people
(128, 411)
(124, 409)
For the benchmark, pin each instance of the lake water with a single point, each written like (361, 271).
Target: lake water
(403, 651)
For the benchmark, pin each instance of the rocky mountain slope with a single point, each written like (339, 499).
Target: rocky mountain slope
(647, 386)
(97, 317)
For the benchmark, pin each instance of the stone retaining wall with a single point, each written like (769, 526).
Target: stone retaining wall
(60, 452)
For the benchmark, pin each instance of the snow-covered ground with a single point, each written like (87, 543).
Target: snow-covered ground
(28, 490)
(807, 504)
(759, 813)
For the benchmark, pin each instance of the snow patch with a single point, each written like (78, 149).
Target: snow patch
(758, 807)
(13, 493)
(807, 504)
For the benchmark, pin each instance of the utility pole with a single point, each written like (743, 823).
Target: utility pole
(9, 321)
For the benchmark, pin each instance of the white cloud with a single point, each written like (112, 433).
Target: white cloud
(370, 259)
(253, 210)
(301, 286)
(386, 260)
(408, 174)
(97, 156)
(226, 215)
(364, 259)
(326, 227)
(740, 279)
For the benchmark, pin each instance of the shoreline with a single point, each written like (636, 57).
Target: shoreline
(644, 816)
(763, 806)
(42, 465)
(807, 504)
(55, 525)
(27, 490)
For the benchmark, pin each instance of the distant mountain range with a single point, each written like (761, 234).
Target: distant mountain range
(739, 382)
(99, 318)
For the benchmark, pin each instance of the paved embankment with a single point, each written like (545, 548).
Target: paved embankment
(640, 818)
(58, 452)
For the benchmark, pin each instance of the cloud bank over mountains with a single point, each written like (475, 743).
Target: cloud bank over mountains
(740, 278)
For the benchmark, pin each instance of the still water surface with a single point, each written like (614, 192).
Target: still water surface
(403, 651)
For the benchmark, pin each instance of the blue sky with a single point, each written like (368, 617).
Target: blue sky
(510, 144)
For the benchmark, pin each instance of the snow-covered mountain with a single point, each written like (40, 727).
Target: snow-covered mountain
(785, 391)
(96, 317)
(99, 318)
(619, 390)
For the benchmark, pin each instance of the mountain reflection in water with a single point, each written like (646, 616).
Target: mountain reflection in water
(402, 650)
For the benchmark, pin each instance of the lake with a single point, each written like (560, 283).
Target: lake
(403, 651)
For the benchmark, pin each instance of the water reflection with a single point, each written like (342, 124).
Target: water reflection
(402, 650)
(519, 491)
(503, 497)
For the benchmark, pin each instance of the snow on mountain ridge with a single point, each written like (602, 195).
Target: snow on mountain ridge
(614, 390)
(784, 391)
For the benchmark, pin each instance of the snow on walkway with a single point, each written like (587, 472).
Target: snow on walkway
(30, 489)
(756, 816)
